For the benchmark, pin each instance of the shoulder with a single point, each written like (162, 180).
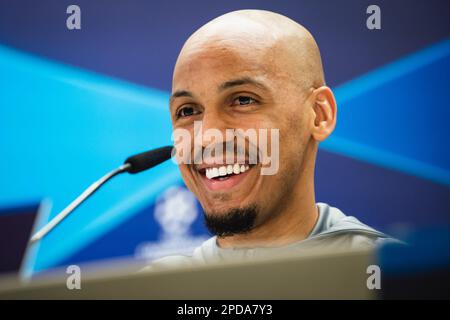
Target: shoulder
(348, 230)
(198, 256)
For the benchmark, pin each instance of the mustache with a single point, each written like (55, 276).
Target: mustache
(229, 150)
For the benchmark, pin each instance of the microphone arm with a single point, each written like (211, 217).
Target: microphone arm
(75, 203)
(133, 164)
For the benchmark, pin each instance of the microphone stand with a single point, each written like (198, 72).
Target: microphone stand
(78, 201)
(133, 164)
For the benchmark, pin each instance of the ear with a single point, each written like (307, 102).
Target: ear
(325, 112)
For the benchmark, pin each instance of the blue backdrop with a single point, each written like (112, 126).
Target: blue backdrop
(75, 103)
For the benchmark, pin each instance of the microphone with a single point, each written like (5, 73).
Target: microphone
(133, 165)
(149, 159)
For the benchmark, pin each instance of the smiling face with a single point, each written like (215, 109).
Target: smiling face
(243, 81)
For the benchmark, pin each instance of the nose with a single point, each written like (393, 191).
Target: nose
(212, 128)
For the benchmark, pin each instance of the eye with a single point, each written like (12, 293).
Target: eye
(187, 111)
(243, 101)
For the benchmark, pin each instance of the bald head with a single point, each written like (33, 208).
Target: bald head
(275, 42)
(253, 70)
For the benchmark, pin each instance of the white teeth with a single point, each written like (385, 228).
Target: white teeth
(223, 171)
(212, 173)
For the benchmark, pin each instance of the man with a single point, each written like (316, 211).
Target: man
(255, 69)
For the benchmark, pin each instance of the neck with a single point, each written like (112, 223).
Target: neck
(293, 223)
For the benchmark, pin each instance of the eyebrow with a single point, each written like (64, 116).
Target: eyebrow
(240, 82)
(181, 93)
(226, 85)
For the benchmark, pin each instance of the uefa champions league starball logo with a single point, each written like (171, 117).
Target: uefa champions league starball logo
(175, 211)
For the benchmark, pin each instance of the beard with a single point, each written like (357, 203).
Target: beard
(234, 221)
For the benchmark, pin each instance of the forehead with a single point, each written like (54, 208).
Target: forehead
(215, 62)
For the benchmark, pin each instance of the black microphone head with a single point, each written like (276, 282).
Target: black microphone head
(149, 159)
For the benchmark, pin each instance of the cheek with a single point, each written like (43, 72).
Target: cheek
(294, 135)
(296, 126)
(186, 175)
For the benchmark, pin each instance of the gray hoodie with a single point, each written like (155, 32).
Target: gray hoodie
(333, 230)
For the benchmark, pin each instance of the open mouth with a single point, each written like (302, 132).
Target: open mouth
(224, 176)
(224, 172)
